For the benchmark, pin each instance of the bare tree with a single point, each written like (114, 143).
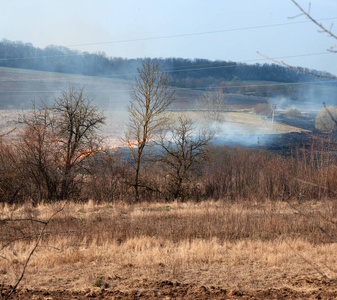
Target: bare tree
(150, 97)
(77, 122)
(183, 149)
(213, 104)
(38, 153)
(57, 139)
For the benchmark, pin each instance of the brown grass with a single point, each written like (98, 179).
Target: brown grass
(235, 246)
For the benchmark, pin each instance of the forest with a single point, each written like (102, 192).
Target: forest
(182, 71)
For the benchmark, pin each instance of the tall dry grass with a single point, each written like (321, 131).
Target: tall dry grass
(209, 243)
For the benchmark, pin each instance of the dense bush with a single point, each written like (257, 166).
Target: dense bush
(292, 113)
(262, 109)
(324, 121)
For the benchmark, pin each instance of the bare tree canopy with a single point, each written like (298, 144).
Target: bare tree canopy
(150, 97)
(57, 138)
(213, 104)
(183, 148)
(76, 124)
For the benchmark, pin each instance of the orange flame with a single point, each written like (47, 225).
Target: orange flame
(87, 153)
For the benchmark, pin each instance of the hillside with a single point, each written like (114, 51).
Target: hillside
(64, 60)
(19, 87)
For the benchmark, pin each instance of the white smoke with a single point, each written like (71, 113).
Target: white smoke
(232, 134)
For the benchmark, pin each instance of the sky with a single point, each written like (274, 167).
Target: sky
(214, 29)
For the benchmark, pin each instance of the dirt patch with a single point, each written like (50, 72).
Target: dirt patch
(322, 289)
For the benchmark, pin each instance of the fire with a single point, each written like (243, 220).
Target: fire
(133, 144)
(86, 153)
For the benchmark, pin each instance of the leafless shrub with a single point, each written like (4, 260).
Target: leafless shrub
(239, 173)
(12, 181)
(324, 121)
(183, 152)
(108, 177)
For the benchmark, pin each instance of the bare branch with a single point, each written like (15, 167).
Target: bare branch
(307, 14)
(8, 132)
(310, 263)
(28, 219)
(323, 29)
(334, 240)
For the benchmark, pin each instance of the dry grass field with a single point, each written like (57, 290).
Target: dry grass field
(182, 250)
(116, 120)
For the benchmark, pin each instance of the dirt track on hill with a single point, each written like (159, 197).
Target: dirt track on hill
(304, 288)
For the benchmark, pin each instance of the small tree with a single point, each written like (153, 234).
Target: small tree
(150, 98)
(213, 105)
(183, 149)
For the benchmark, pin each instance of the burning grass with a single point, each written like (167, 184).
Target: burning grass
(233, 246)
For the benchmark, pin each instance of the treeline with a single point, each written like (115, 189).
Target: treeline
(58, 155)
(190, 73)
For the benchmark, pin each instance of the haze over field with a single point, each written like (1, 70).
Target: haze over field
(224, 31)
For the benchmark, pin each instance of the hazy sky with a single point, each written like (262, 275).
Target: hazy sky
(215, 29)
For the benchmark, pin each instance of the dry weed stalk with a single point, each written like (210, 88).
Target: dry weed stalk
(39, 236)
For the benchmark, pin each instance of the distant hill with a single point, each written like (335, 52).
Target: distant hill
(63, 60)
(28, 72)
